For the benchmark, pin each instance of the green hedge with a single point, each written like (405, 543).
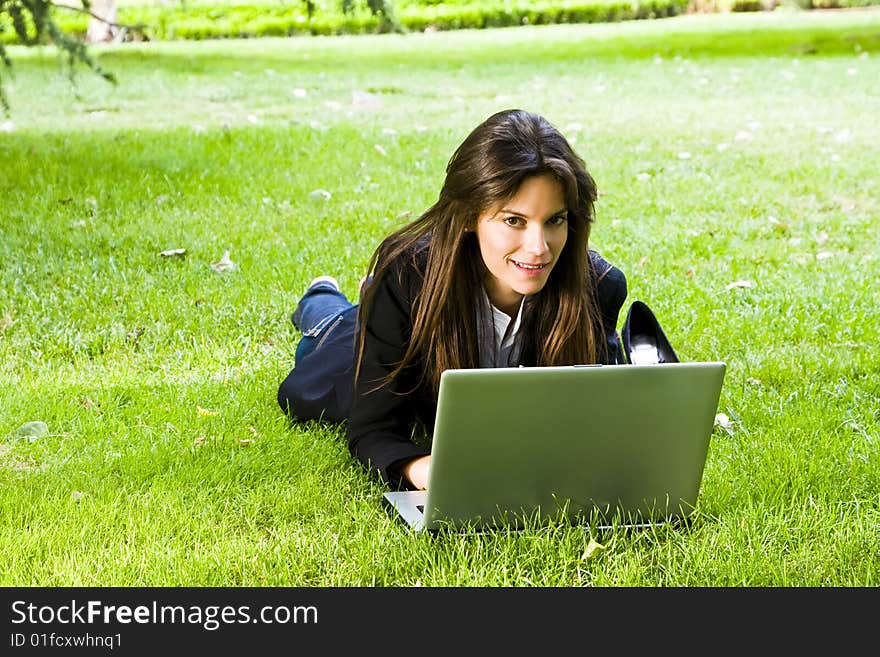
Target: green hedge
(482, 15)
(194, 21)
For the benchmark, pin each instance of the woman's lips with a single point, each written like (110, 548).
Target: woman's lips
(530, 269)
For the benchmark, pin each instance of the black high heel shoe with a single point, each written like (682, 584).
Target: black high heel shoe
(643, 340)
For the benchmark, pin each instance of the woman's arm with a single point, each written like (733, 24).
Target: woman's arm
(381, 420)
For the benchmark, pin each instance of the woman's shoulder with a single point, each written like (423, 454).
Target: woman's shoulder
(408, 261)
(401, 270)
(610, 283)
(602, 268)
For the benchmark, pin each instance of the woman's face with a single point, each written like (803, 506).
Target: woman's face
(521, 239)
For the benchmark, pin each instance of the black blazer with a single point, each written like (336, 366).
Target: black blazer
(383, 425)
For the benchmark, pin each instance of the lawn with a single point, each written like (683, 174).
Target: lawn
(737, 161)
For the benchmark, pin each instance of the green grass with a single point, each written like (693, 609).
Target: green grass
(726, 148)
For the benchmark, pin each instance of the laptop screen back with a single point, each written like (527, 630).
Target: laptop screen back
(625, 441)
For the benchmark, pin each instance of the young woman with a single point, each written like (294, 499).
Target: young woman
(497, 273)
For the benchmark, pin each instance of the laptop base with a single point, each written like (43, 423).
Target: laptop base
(409, 506)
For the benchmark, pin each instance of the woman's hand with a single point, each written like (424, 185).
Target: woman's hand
(417, 471)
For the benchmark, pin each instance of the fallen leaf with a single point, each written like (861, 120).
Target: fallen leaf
(6, 321)
(736, 284)
(380, 150)
(204, 412)
(592, 548)
(254, 431)
(721, 420)
(824, 255)
(300, 93)
(690, 272)
(781, 226)
(365, 100)
(32, 430)
(76, 495)
(844, 136)
(224, 264)
(320, 195)
(199, 441)
(172, 252)
(642, 261)
(134, 335)
(245, 442)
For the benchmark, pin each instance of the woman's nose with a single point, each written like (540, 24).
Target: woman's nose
(536, 241)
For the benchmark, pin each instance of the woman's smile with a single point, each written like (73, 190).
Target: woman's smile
(531, 269)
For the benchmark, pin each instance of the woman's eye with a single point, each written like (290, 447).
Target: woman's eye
(558, 220)
(513, 221)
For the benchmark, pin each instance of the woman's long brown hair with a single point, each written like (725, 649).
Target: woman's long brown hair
(487, 169)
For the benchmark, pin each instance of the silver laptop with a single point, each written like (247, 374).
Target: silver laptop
(612, 445)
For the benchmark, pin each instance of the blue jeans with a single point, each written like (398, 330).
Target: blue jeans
(319, 312)
(321, 384)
